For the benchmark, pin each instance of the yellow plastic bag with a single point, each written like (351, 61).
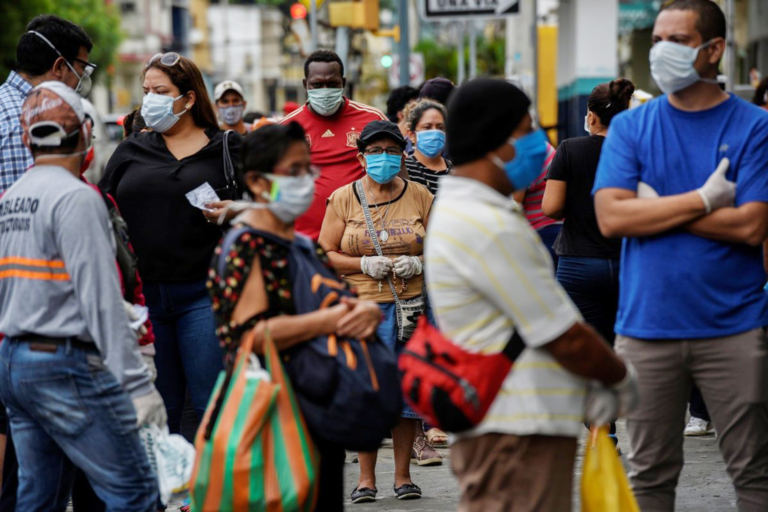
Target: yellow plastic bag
(604, 485)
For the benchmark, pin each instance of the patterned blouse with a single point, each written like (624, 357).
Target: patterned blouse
(225, 290)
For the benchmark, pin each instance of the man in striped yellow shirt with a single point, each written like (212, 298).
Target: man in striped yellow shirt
(489, 275)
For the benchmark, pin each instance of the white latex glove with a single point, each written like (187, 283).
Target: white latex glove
(628, 390)
(645, 191)
(142, 330)
(602, 404)
(718, 192)
(408, 266)
(378, 267)
(150, 409)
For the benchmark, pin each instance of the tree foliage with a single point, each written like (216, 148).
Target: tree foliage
(99, 19)
(442, 60)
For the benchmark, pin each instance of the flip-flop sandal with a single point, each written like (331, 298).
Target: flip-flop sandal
(408, 492)
(437, 437)
(364, 495)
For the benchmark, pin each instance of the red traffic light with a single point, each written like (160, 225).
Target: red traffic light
(298, 12)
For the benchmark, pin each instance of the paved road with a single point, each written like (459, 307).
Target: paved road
(704, 484)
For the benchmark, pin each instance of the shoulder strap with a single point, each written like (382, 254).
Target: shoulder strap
(514, 347)
(229, 239)
(229, 168)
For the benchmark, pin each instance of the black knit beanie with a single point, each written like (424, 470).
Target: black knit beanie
(482, 114)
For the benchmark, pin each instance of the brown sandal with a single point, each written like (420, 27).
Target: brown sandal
(437, 437)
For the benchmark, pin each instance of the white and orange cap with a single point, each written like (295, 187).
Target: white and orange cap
(51, 113)
(227, 85)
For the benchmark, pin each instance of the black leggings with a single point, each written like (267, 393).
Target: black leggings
(330, 496)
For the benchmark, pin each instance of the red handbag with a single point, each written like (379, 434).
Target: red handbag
(448, 386)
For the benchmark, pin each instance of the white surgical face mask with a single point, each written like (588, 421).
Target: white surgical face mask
(325, 101)
(586, 124)
(672, 66)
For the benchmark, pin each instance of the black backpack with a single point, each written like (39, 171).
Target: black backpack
(126, 258)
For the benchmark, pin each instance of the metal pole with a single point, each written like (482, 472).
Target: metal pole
(313, 23)
(405, 47)
(342, 45)
(460, 49)
(472, 51)
(730, 48)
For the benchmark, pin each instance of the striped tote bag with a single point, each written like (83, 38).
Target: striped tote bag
(254, 452)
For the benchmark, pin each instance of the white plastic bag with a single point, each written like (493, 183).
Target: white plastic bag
(172, 459)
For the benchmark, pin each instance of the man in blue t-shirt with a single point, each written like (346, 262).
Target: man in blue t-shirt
(692, 308)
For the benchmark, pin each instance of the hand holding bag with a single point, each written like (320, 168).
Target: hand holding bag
(260, 456)
(604, 485)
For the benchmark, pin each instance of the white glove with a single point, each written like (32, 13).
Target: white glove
(408, 266)
(718, 192)
(150, 409)
(142, 330)
(602, 404)
(628, 390)
(378, 267)
(645, 191)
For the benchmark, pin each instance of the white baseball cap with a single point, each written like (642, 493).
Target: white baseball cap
(227, 85)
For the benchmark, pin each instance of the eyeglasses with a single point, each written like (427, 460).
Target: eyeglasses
(392, 151)
(88, 67)
(166, 59)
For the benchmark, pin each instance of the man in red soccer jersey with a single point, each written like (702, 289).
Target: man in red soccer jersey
(332, 124)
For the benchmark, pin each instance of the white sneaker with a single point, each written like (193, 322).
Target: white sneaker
(698, 427)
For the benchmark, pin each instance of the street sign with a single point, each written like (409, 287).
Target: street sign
(458, 10)
(416, 68)
(308, 3)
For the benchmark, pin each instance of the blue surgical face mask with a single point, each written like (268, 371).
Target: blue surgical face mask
(530, 154)
(672, 66)
(325, 101)
(383, 168)
(157, 111)
(430, 142)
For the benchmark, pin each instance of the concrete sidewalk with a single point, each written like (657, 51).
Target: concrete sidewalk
(704, 484)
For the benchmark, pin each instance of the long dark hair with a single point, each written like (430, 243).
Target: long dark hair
(187, 77)
(610, 99)
(761, 93)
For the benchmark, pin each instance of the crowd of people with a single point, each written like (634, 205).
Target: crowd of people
(629, 263)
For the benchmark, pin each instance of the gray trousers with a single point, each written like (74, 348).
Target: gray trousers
(732, 374)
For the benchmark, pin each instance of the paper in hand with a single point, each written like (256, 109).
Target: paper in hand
(202, 195)
(142, 314)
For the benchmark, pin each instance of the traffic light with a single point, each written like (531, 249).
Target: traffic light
(386, 61)
(298, 12)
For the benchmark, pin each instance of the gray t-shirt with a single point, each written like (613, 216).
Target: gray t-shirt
(57, 271)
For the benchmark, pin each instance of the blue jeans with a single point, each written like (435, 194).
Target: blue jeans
(65, 405)
(593, 285)
(387, 332)
(548, 235)
(187, 349)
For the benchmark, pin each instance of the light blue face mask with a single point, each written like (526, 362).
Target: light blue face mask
(430, 142)
(157, 111)
(530, 153)
(325, 101)
(383, 168)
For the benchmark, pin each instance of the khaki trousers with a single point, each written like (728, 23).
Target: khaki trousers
(507, 473)
(731, 373)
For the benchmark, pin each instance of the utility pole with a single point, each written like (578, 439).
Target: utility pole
(472, 50)
(405, 47)
(730, 45)
(460, 49)
(313, 23)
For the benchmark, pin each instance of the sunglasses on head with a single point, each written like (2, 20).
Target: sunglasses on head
(166, 59)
